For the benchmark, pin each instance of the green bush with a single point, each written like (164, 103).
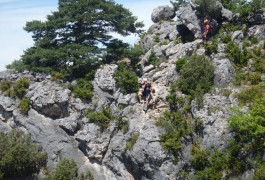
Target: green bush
(122, 124)
(130, 143)
(200, 158)
(102, 119)
(154, 60)
(250, 95)
(196, 76)
(57, 75)
(180, 63)
(24, 105)
(126, 79)
(65, 170)
(15, 89)
(19, 157)
(225, 38)
(5, 85)
(20, 87)
(83, 89)
(156, 39)
(238, 56)
(211, 47)
(176, 126)
(260, 172)
(206, 8)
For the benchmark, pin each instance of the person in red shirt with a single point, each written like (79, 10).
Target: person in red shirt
(206, 30)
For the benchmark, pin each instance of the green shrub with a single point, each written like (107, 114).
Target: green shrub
(236, 54)
(178, 40)
(176, 126)
(20, 87)
(122, 124)
(154, 60)
(15, 89)
(249, 95)
(206, 8)
(19, 157)
(102, 119)
(83, 89)
(126, 79)
(260, 172)
(156, 39)
(130, 143)
(57, 76)
(200, 158)
(24, 105)
(254, 40)
(65, 170)
(180, 63)
(254, 78)
(5, 85)
(196, 76)
(225, 38)
(165, 42)
(17, 65)
(211, 47)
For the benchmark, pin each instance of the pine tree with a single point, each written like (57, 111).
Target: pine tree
(72, 39)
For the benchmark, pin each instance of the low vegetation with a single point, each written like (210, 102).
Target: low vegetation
(15, 89)
(83, 89)
(105, 117)
(126, 79)
(24, 105)
(196, 77)
(130, 143)
(20, 158)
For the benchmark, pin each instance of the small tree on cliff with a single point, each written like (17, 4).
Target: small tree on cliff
(73, 38)
(179, 3)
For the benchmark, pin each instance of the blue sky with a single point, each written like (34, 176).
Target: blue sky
(15, 13)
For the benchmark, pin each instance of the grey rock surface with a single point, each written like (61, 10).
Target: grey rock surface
(227, 14)
(257, 31)
(49, 99)
(188, 18)
(162, 13)
(224, 71)
(104, 78)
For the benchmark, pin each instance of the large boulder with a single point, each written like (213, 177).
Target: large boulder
(257, 18)
(187, 17)
(162, 13)
(257, 31)
(214, 115)
(227, 15)
(224, 71)
(49, 99)
(104, 78)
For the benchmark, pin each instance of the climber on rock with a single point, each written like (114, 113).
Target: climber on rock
(206, 30)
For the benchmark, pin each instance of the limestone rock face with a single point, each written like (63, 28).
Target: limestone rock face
(162, 13)
(214, 114)
(224, 71)
(49, 99)
(104, 78)
(58, 121)
(257, 31)
(257, 18)
(188, 20)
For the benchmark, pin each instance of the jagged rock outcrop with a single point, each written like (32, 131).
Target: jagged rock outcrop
(214, 114)
(189, 23)
(162, 13)
(57, 121)
(257, 18)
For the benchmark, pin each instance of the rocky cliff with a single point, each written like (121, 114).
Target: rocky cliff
(57, 120)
